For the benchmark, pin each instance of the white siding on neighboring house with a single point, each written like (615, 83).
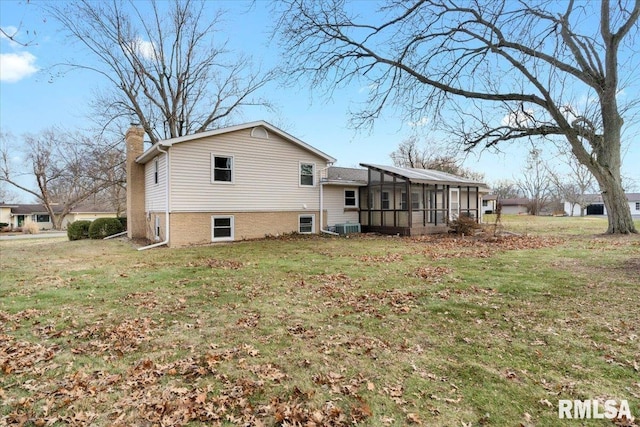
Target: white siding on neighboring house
(266, 175)
(334, 204)
(155, 192)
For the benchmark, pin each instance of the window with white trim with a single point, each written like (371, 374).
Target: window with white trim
(350, 199)
(403, 201)
(638, 206)
(306, 224)
(40, 218)
(385, 200)
(221, 228)
(221, 168)
(307, 172)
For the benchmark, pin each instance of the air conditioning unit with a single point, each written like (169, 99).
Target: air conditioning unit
(348, 228)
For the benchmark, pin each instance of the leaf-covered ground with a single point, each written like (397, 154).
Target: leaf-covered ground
(314, 331)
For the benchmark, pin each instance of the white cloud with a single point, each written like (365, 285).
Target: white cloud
(16, 66)
(144, 48)
(419, 123)
(518, 119)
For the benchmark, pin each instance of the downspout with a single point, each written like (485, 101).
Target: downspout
(166, 215)
(322, 230)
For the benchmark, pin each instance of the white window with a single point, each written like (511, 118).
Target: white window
(40, 218)
(638, 206)
(350, 199)
(221, 168)
(307, 174)
(306, 224)
(385, 200)
(221, 228)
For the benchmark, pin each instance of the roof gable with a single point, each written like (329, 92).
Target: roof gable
(152, 151)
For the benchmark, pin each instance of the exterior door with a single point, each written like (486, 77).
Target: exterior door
(454, 203)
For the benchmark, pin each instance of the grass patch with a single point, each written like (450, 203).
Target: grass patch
(322, 331)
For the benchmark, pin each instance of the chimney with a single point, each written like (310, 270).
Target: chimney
(136, 221)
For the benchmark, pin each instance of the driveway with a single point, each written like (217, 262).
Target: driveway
(41, 235)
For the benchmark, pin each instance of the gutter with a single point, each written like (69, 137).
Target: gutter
(166, 216)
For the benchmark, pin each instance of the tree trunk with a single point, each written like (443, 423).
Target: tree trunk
(618, 212)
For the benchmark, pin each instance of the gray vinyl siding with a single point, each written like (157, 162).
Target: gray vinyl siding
(155, 194)
(266, 175)
(333, 203)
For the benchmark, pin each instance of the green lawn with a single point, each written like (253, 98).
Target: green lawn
(314, 331)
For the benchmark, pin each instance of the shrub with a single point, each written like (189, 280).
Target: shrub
(123, 221)
(464, 225)
(30, 228)
(78, 230)
(4, 224)
(104, 227)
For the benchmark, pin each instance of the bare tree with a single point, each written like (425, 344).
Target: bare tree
(166, 68)
(535, 183)
(573, 187)
(410, 154)
(67, 169)
(507, 70)
(505, 189)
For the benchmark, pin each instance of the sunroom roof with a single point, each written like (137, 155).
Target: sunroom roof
(424, 176)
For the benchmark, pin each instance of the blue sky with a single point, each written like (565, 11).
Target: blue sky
(30, 100)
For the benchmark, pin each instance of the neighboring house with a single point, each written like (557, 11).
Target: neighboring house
(517, 206)
(88, 212)
(18, 215)
(489, 203)
(254, 180)
(596, 205)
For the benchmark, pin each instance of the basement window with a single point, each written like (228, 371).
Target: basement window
(222, 228)
(306, 224)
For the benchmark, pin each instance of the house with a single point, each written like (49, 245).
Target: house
(596, 205)
(18, 215)
(89, 212)
(489, 203)
(518, 206)
(239, 182)
(254, 180)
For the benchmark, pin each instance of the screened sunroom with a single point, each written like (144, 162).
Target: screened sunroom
(413, 202)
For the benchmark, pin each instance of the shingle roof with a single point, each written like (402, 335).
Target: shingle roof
(30, 209)
(347, 175)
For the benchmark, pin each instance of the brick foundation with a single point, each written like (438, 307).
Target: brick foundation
(194, 228)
